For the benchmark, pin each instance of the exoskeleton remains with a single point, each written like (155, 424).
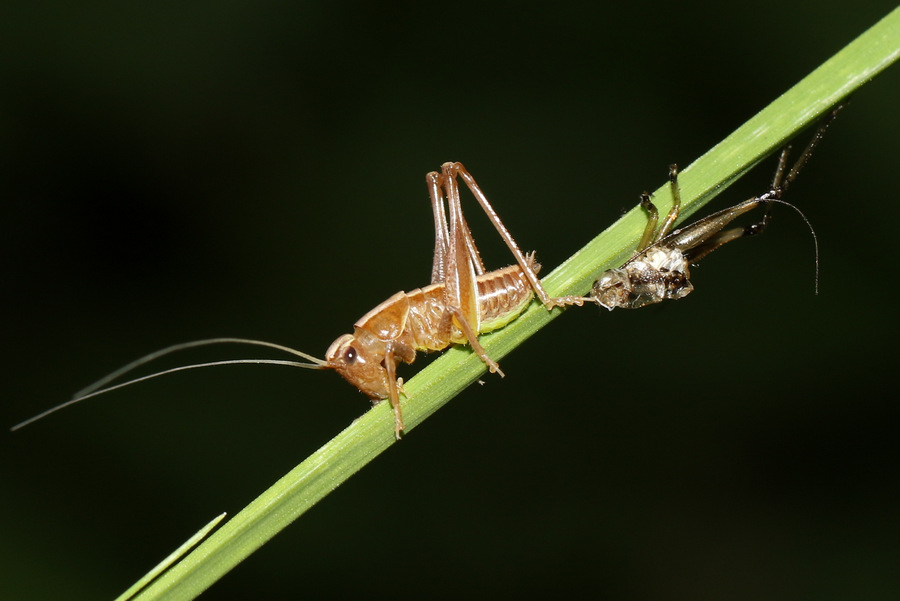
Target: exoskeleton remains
(660, 267)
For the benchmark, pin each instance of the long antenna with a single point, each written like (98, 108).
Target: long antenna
(97, 388)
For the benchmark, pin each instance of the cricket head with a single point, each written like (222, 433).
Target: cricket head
(359, 359)
(612, 289)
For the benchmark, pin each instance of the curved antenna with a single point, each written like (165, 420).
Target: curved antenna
(97, 388)
(315, 363)
(811, 231)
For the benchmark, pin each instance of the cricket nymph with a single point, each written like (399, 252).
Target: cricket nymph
(420, 320)
(463, 301)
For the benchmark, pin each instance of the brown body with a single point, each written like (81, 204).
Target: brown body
(420, 320)
(462, 301)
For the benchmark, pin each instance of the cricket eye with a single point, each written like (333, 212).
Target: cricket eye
(350, 355)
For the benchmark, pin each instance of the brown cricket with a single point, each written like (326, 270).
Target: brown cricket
(462, 302)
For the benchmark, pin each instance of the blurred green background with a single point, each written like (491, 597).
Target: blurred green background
(174, 171)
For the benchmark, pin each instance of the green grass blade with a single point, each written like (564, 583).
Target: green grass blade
(368, 436)
(174, 556)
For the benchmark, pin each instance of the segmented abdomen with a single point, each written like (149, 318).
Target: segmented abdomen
(502, 296)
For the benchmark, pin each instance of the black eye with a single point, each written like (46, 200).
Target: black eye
(350, 355)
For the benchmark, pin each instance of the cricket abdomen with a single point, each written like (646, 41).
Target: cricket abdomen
(503, 295)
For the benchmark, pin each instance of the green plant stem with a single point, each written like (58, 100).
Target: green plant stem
(371, 434)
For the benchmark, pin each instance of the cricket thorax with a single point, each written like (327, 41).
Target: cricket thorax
(652, 276)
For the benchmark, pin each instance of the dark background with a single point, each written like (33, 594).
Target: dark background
(176, 171)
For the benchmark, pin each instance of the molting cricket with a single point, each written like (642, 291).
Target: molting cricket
(464, 300)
